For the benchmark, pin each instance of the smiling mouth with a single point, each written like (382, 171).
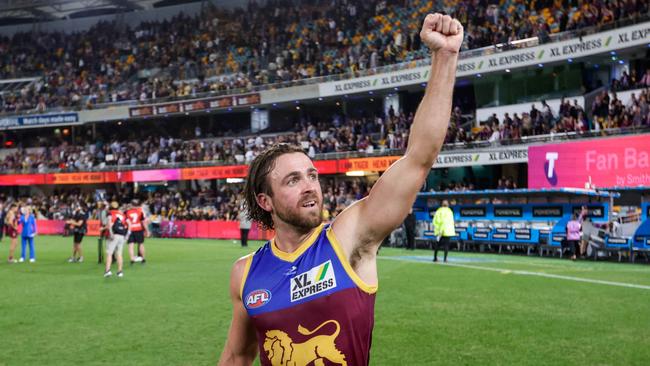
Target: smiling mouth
(310, 203)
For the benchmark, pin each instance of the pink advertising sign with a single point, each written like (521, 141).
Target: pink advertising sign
(155, 175)
(608, 162)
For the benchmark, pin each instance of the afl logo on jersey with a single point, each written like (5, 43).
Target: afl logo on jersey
(257, 298)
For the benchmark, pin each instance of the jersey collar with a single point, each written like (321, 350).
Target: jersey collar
(290, 257)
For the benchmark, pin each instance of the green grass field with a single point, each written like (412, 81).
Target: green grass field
(480, 309)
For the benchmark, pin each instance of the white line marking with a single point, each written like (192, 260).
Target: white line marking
(528, 273)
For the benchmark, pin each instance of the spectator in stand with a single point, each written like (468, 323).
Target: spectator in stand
(645, 80)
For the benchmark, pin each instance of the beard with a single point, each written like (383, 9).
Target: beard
(304, 221)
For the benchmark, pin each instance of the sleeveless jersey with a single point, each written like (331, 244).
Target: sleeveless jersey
(308, 307)
(135, 217)
(12, 227)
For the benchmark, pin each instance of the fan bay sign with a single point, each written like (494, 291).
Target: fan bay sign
(602, 42)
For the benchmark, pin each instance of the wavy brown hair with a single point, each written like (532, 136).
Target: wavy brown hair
(257, 182)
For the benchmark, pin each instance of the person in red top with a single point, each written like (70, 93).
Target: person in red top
(135, 217)
(11, 229)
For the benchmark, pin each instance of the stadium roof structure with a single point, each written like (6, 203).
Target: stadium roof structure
(628, 189)
(631, 196)
(525, 193)
(27, 11)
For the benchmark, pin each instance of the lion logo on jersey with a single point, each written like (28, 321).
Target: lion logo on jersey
(282, 351)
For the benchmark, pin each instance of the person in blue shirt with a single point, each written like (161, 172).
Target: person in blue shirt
(28, 221)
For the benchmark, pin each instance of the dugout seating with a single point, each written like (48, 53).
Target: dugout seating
(641, 241)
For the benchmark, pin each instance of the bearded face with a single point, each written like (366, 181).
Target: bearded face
(297, 198)
(306, 214)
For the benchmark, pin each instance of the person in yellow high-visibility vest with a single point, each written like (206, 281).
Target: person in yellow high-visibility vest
(443, 228)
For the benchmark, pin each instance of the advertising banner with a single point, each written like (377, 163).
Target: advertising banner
(50, 227)
(155, 175)
(611, 162)
(503, 155)
(602, 42)
(214, 172)
(114, 177)
(75, 178)
(326, 166)
(216, 229)
(379, 164)
(22, 179)
(38, 120)
(195, 105)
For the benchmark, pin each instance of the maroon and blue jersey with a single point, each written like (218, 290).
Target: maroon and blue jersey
(308, 307)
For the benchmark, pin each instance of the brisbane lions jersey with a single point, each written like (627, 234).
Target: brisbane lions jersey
(308, 307)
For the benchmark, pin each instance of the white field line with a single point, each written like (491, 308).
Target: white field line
(528, 273)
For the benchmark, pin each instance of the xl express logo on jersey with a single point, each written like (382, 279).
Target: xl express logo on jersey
(318, 279)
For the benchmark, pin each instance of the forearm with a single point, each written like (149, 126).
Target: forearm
(229, 357)
(432, 117)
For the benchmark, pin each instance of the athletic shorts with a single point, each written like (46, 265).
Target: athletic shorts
(115, 244)
(11, 232)
(78, 237)
(136, 237)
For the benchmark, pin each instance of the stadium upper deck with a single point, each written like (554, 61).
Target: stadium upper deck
(215, 53)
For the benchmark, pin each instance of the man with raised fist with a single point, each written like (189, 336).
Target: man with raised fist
(308, 295)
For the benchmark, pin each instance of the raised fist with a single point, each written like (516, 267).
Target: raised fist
(442, 33)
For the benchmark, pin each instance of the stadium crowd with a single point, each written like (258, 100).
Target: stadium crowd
(338, 134)
(223, 203)
(607, 112)
(216, 51)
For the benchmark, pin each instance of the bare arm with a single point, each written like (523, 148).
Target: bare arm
(241, 345)
(361, 228)
(145, 225)
(110, 229)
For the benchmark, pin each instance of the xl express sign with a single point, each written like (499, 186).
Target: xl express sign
(602, 42)
(500, 156)
(613, 162)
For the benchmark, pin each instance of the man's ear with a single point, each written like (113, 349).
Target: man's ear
(264, 201)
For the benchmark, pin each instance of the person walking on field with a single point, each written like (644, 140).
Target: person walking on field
(118, 230)
(443, 228)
